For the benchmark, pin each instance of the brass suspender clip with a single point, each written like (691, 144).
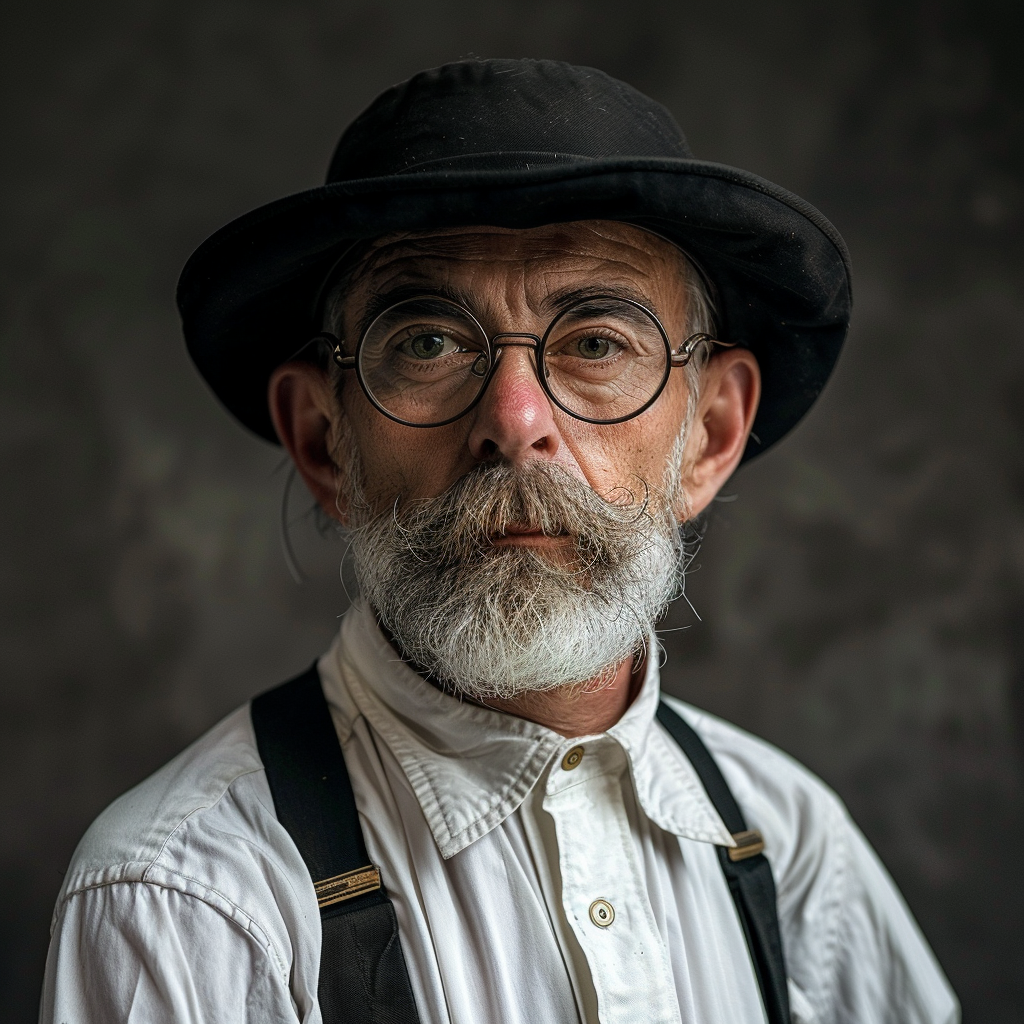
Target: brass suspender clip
(748, 844)
(346, 886)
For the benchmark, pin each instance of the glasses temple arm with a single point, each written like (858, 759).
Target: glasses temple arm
(341, 360)
(333, 342)
(685, 352)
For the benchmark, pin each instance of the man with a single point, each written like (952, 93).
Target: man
(518, 340)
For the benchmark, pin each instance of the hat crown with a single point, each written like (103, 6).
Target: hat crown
(500, 114)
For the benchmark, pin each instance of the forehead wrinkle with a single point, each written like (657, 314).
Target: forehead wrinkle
(617, 271)
(532, 267)
(613, 277)
(517, 270)
(475, 245)
(578, 238)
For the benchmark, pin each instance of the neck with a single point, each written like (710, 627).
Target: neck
(577, 710)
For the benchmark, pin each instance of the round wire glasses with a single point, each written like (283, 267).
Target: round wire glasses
(426, 361)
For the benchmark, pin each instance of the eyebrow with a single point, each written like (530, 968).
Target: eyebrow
(565, 297)
(381, 299)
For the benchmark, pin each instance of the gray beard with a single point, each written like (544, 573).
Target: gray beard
(486, 621)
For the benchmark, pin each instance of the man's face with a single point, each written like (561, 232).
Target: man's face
(512, 281)
(517, 548)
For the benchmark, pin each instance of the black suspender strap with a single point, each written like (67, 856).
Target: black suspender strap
(363, 975)
(746, 870)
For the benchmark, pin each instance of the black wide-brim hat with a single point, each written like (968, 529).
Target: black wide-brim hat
(518, 144)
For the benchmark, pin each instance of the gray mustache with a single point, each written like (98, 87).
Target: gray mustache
(484, 503)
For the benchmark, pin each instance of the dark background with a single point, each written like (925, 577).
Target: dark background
(862, 596)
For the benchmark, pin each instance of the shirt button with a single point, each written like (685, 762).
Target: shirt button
(602, 913)
(572, 759)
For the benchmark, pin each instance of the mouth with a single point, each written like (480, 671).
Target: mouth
(521, 535)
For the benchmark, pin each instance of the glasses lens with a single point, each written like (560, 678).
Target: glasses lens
(605, 359)
(424, 361)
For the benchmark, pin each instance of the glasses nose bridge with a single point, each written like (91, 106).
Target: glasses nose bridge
(498, 343)
(498, 340)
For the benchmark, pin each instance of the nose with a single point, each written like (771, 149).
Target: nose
(514, 419)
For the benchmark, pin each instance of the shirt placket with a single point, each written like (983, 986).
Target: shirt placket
(603, 892)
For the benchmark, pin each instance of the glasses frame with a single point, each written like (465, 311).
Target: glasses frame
(674, 359)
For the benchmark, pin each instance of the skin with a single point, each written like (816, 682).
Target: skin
(508, 279)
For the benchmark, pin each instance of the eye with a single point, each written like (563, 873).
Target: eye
(595, 347)
(428, 345)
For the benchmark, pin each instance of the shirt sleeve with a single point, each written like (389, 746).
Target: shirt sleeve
(883, 970)
(140, 953)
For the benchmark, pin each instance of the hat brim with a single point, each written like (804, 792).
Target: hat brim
(780, 270)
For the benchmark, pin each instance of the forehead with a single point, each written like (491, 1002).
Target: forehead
(610, 249)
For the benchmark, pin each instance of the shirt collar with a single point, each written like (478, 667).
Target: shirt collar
(471, 767)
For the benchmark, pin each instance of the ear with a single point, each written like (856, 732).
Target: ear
(305, 415)
(730, 391)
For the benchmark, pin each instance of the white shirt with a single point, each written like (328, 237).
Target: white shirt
(187, 901)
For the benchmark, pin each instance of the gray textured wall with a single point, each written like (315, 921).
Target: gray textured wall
(863, 595)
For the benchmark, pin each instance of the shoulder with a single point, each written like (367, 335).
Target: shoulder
(191, 867)
(852, 947)
(203, 825)
(132, 835)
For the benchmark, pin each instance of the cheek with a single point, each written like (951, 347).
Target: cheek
(625, 453)
(399, 461)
